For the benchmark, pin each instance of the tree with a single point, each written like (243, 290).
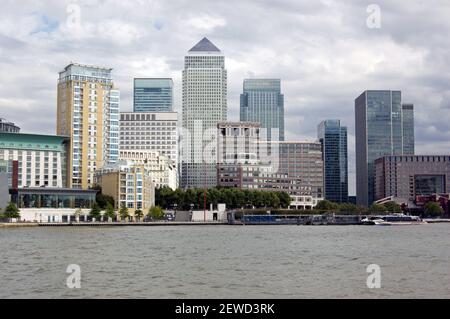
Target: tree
(285, 199)
(123, 212)
(138, 213)
(433, 209)
(77, 214)
(377, 208)
(156, 212)
(103, 200)
(11, 211)
(326, 205)
(393, 207)
(348, 208)
(95, 211)
(110, 212)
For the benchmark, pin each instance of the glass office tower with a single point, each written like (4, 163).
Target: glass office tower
(333, 138)
(379, 132)
(408, 129)
(153, 95)
(262, 102)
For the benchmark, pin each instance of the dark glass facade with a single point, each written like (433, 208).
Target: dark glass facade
(333, 138)
(262, 102)
(408, 129)
(379, 132)
(429, 184)
(153, 95)
(53, 198)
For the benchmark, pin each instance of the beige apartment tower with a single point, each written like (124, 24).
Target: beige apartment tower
(88, 112)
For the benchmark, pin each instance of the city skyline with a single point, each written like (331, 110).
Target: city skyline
(325, 78)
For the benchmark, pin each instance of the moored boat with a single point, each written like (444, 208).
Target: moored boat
(393, 220)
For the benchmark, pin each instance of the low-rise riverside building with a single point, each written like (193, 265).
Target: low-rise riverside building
(46, 204)
(130, 184)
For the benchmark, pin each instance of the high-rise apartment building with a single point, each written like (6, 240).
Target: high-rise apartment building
(88, 113)
(262, 102)
(153, 95)
(204, 105)
(333, 138)
(380, 131)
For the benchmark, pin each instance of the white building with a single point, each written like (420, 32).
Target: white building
(35, 160)
(163, 172)
(204, 105)
(151, 131)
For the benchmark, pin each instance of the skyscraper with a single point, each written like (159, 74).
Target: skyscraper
(262, 101)
(379, 132)
(408, 129)
(153, 95)
(333, 138)
(204, 105)
(88, 113)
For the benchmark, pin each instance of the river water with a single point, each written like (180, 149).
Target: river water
(226, 261)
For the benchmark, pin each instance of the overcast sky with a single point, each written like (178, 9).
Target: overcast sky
(324, 52)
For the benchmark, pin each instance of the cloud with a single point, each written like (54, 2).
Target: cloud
(206, 22)
(322, 50)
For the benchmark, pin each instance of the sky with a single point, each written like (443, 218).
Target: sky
(326, 53)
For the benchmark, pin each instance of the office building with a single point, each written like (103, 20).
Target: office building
(333, 138)
(303, 160)
(155, 132)
(153, 95)
(204, 105)
(408, 129)
(408, 176)
(88, 113)
(238, 142)
(129, 184)
(8, 127)
(379, 132)
(35, 160)
(262, 102)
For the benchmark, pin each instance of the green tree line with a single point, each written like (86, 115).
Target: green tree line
(234, 198)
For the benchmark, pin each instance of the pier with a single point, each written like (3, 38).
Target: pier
(122, 224)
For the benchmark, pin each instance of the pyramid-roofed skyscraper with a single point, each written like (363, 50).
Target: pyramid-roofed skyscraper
(204, 105)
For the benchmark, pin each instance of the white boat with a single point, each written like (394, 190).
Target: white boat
(393, 220)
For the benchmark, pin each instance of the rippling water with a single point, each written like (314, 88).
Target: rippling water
(226, 261)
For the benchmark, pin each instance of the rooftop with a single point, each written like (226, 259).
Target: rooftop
(204, 46)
